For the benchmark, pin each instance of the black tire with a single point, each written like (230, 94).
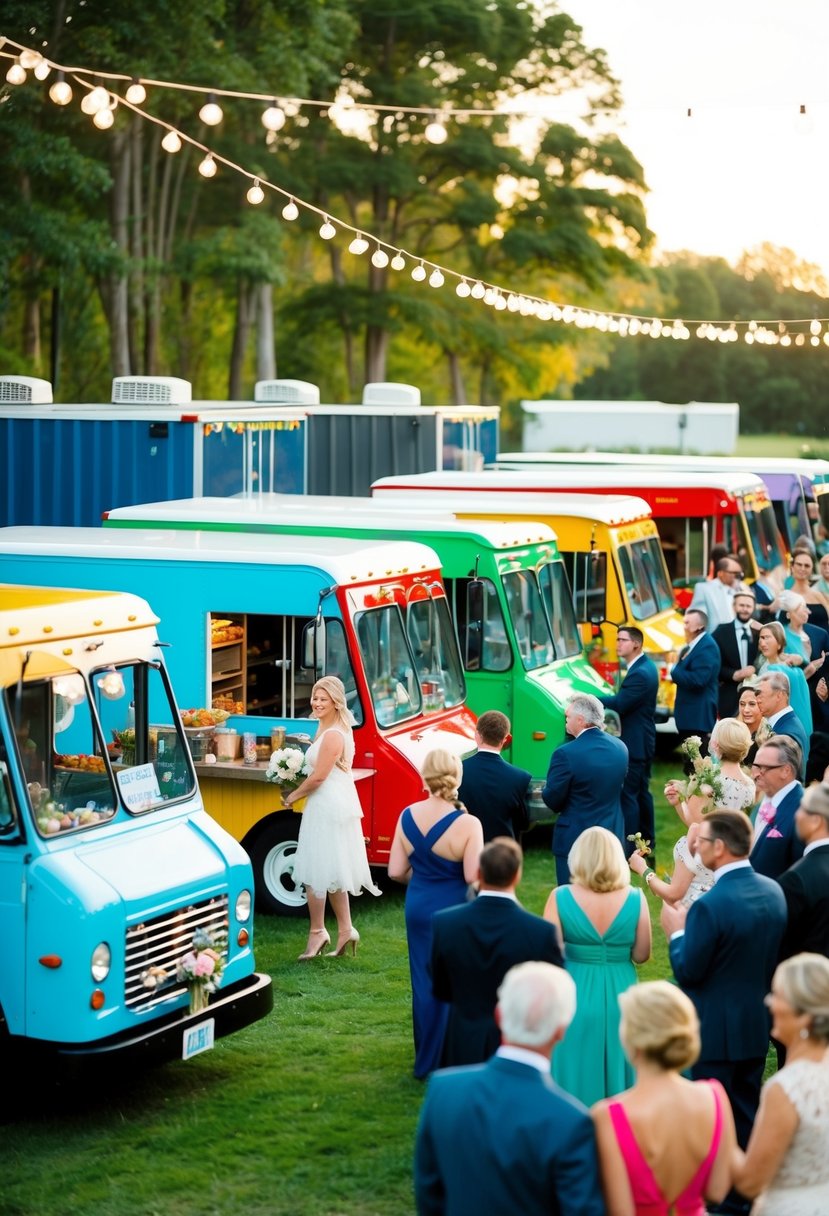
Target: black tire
(271, 855)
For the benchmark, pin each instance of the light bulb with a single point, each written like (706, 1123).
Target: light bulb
(136, 94)
(171, 142)
(104, 119)
(436, 278)
(95, 100)
(814, 327)
(273, 118)
(358, 245)
(28, 59)
(379, 258)
(477, 291)
(436, 132)
(463, 289)
(290, 211)
(42, 69)
(256, 194)
(419, 273)
(16, 74)
(208, 166)
(398, 262)
(211, 113)
(327, 231)
(61, 91)
(500, 302)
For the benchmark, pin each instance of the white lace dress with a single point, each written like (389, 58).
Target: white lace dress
(801, 1185)
(331, 852)
(737, 796)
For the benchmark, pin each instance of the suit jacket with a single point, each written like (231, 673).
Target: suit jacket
(726, 638)
(635, 703)
(791, 725)
(779, 847)
(806, 889)
(696, 678)
(725, 959)
(501, 1138)
(820, 645)
(473, 947)
(584, 784)
(495, 792)
(715, 601)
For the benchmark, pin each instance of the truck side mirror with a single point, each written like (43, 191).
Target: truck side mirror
(475, 605)
(313, 645)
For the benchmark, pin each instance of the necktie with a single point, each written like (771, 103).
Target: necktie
(744, 646)
(684, 651)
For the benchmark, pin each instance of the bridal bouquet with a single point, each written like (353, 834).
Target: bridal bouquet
(288, 768)
(201, 968)
(706, 779)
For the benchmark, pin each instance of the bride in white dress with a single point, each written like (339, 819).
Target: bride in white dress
(786, 1163)
(730, 743)
(330, 859)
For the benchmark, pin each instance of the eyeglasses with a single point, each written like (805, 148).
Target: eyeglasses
(738, 573)
(706, 839)
(766, 768)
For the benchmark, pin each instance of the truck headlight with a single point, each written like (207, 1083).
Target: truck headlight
(101, 962)
(243, 906)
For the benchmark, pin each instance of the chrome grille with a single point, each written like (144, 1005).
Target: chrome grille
(155, 947)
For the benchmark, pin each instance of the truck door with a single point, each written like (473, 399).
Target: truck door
(13, 867)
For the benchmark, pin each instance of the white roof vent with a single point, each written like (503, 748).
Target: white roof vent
(25, 390)
(286, 392)
(151, 390)
(383, 393)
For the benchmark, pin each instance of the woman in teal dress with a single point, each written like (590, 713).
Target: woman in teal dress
(606, 928)
(774, 655)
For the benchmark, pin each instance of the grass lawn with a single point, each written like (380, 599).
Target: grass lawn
(311, 1111)
(783, 445)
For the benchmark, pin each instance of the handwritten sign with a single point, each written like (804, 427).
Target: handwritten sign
(139, 787)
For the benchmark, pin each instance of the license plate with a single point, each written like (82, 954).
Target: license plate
(198, 1039)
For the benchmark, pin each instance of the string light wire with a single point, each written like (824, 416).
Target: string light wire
(783, 332)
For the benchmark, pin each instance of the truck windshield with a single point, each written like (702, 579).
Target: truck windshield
(436, 654)
(765, 537)
(529, 619)
(558, 600)
(645, 578)
(587, 572)
(391, 672)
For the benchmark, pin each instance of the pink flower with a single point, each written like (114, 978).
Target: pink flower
(205, 965)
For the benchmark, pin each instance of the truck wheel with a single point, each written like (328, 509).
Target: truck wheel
(272, 857)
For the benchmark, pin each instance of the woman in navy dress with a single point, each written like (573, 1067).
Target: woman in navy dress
(435, 850)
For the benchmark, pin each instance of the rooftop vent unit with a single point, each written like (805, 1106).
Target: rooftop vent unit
(286, 392)
(151, 390)
(24, 390)
(384, 393)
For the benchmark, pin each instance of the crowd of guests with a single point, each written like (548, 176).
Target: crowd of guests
(557, 1082)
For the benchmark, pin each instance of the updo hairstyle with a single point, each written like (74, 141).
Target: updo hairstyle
(660, 1021)
(442, 773)
(803, 981)
(732, 738)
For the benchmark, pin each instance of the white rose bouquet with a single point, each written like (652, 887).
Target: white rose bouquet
(287, 768)
(706, 779)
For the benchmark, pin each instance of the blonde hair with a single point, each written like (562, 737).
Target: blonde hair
(660, 1021)
(803, 981)
(733, 739)
(442, 771)
(597, 861)
(335, 688)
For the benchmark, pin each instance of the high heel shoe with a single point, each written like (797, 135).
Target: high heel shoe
(315, 951)
(352, 940)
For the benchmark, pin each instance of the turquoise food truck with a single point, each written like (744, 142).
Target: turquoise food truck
(506, 584)
(252, 621)
(110, 869)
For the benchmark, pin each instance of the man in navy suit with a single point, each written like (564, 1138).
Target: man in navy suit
(806, 884)
(775, 846)
(491, 789)
(737, 644)
(501, 1138)
(695, 674)
(475, 944)
(635, 703)
(773, 692)
(724, 950)
(584, 780)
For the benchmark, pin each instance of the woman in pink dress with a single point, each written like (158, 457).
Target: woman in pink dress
(666, 1144)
